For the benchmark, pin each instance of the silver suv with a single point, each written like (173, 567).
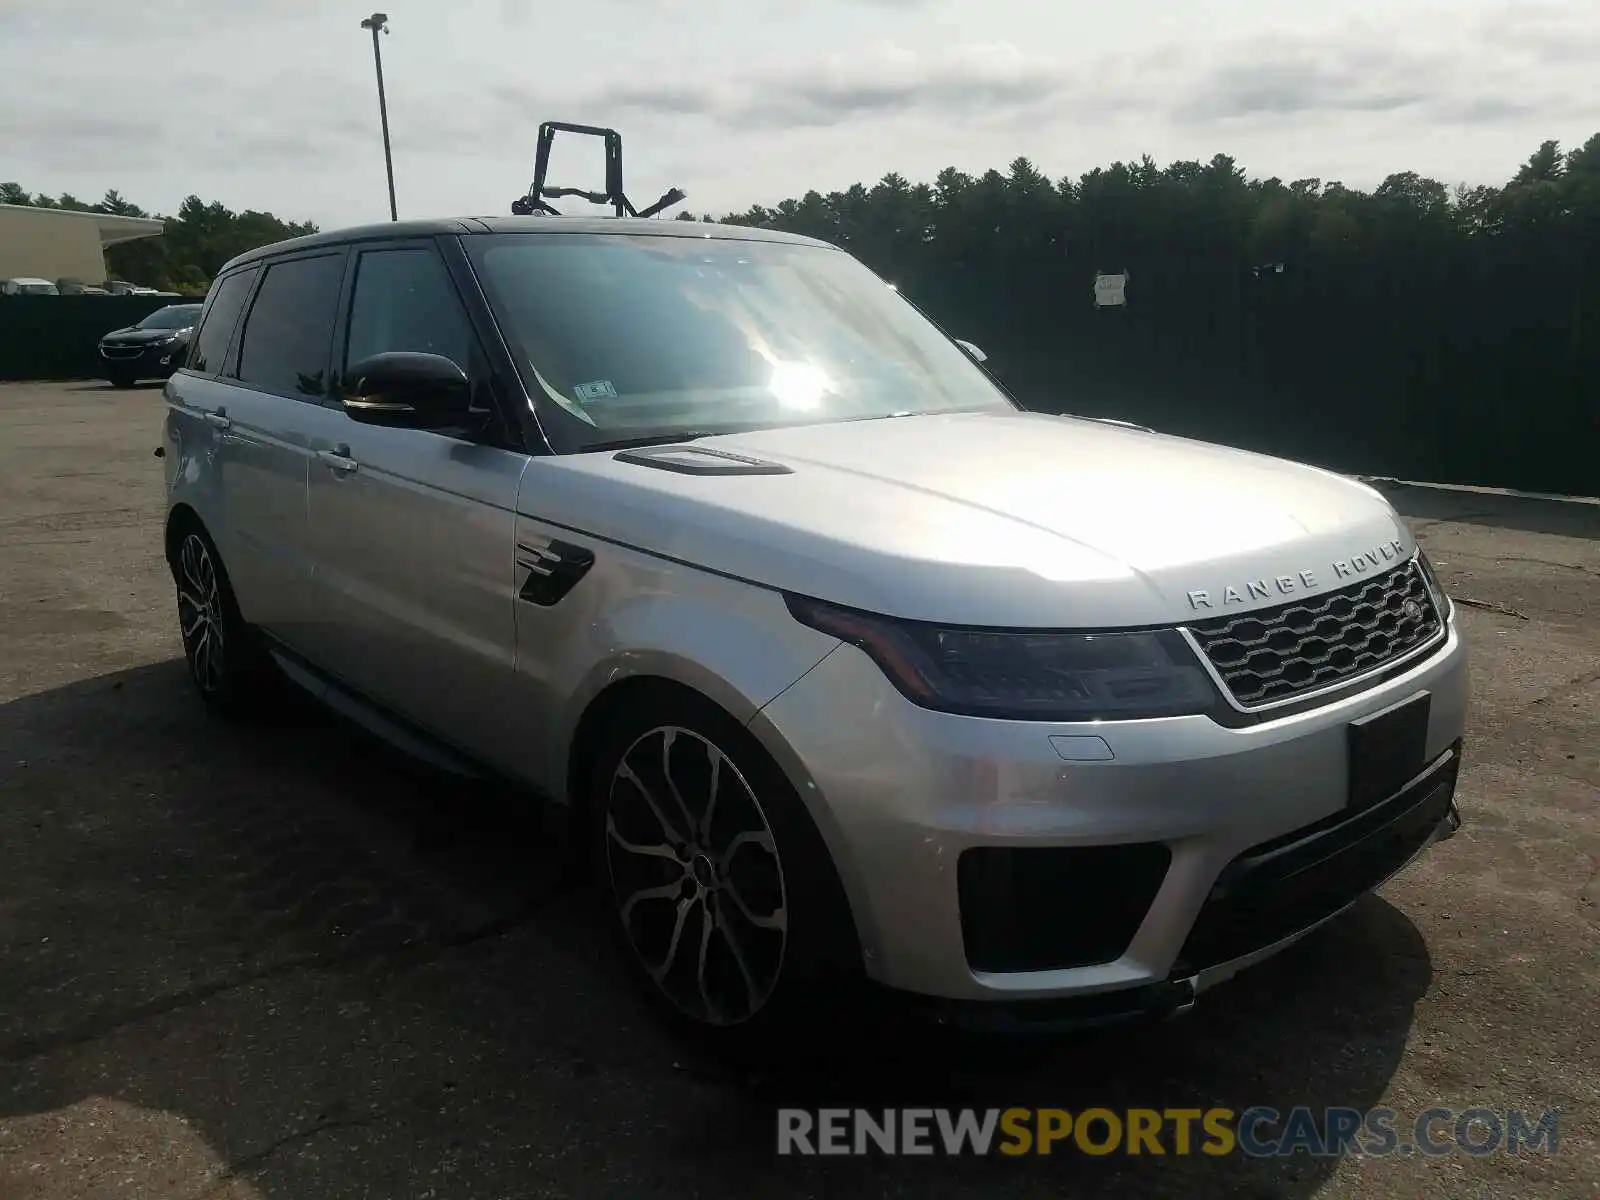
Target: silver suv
(844, 667)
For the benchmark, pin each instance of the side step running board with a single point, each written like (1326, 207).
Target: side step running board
(353, 708)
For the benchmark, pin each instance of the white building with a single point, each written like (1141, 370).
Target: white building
(52, 243)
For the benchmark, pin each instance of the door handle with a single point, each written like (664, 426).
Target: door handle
(338, 458)
(219, 419)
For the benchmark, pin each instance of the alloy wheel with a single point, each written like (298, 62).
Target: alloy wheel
(695, 876)
(200, 616)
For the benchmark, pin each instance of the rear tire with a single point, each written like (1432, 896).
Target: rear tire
(228, 665)
(722, 898)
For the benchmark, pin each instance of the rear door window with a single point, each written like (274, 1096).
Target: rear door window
(211, 343)
(284, 348)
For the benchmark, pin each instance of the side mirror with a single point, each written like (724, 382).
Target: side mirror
(420, 391)
(977, 354)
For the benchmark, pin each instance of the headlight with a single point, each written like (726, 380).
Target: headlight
(1441, 598)
(1025, 674)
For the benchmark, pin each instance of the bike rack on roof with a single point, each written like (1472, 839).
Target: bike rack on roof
(534, 203)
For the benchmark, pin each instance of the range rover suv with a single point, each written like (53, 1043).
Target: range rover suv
(845, 668)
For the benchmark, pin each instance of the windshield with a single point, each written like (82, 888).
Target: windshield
(38, 289)
(174, 316)
(636, 336)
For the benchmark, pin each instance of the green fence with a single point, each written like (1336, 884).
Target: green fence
(56, 337)
(1521, 412)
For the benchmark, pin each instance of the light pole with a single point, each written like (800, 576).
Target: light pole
(379, 22)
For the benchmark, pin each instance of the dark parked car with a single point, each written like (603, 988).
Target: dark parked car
(152, 349)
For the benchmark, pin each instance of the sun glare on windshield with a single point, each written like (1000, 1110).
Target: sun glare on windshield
(799, 385)
(641, 336)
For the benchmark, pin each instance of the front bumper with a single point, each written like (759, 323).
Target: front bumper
(1180, 851)
(144, 361)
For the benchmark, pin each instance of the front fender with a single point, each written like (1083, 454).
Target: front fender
(734, 643)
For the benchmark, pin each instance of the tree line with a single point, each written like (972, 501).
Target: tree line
(1414, 329)
(197, 241)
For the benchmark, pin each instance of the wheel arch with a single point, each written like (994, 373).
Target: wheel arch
(611, 690)
(586, 741)
(617, 695)
(181, 518)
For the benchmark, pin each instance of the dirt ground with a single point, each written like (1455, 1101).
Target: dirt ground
(281, 962)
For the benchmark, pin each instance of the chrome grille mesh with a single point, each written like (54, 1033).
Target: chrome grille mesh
(1281, 653)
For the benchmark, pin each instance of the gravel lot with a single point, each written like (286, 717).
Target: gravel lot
(281, 962)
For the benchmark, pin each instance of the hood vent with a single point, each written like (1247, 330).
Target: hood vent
(699, 460)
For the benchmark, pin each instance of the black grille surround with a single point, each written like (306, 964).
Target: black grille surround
(1052, 908)
(1285, 886)
(1277, 655)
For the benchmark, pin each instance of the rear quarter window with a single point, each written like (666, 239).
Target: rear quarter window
(216, 327)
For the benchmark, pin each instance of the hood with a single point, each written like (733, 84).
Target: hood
(1007, 518)
(134, 334)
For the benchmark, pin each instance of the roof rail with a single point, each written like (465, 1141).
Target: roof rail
(535, 202)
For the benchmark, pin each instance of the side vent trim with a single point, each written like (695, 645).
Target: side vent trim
(1121, 424)
(554, 569)
(699, 460)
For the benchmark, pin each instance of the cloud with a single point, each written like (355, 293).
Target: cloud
(1466, 80)
(1549, 33)
(1354, 71)
(516, 13)
(1489, 110)
(95, 23)
(965, 81)
(1293, 85)
(271, 103)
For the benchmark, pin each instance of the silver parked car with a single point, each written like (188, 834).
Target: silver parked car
(845, 667)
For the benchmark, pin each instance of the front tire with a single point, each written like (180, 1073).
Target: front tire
(722, 898)
(227, 664)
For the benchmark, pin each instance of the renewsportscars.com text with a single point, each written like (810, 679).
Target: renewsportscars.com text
(1257, 1132)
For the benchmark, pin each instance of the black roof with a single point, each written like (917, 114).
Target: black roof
(453, 226)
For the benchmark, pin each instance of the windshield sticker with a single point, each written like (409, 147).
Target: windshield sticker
(600, 389)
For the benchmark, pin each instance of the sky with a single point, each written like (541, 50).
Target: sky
(272, 104)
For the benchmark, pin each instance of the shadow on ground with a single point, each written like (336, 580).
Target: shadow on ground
(104, 385)
(1577, 518)
(347, 977)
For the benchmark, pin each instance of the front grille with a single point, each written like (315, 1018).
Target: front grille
(112, 350)
(1044, 908)
(1277, 654)
(1279, 888)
